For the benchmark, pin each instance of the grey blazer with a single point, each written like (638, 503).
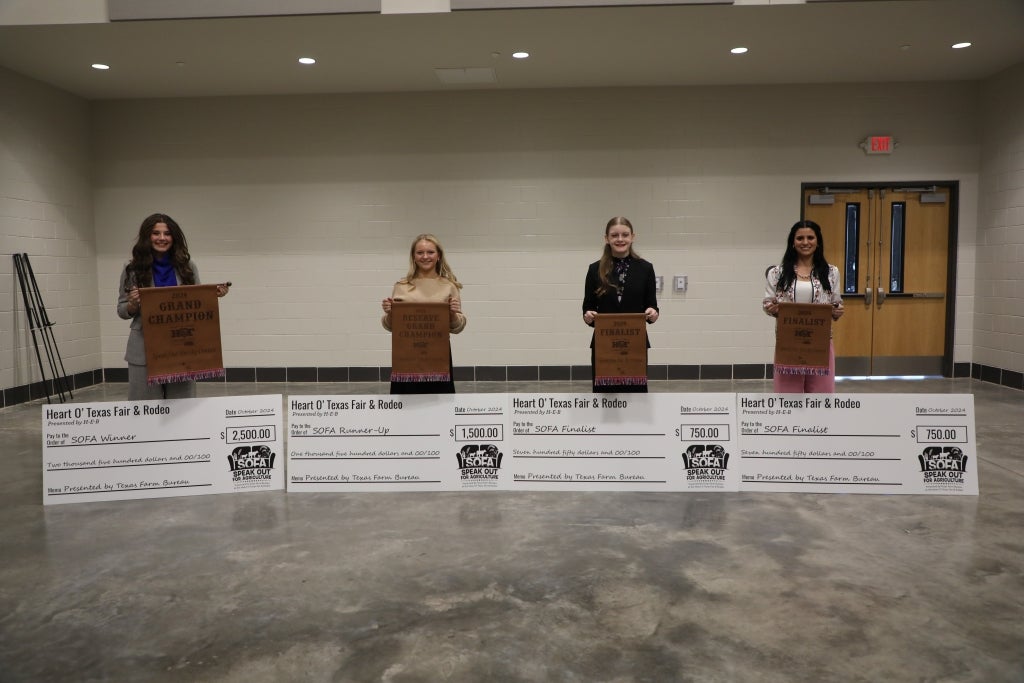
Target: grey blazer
(135, 353)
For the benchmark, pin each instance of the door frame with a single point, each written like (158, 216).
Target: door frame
(951, 247)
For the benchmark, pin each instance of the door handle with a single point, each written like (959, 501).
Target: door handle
(916, 295)
(867, 295)
(881, 296)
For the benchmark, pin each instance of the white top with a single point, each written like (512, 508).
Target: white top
(804, 292)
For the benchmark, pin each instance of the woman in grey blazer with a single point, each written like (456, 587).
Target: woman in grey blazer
(160, 258)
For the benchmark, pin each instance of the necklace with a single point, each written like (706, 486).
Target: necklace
(621, 271)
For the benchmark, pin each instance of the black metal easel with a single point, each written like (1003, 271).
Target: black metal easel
(35, 311)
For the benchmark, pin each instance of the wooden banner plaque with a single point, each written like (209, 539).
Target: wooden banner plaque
(181, 330)
(802, 336)
(419, 342)
(620, 349)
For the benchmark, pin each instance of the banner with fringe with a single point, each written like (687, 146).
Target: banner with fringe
(181, 330)
(185, 376)
(620, 381)
(620, 349)
(420, 351)
(802, 336)
(800, 370)
(420, 377)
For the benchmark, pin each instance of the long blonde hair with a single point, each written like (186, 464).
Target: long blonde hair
(604, 270)
(441, 267)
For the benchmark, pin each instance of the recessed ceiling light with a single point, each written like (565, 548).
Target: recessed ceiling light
(307, 60)
(520, 55)
(100, 67)
(738, 50)
(960, 46)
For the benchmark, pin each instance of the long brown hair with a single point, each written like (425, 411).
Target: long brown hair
(140, 268)
(604, 270)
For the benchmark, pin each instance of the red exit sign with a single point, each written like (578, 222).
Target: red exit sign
(879, 144)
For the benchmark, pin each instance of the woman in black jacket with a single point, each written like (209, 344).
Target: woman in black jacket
(621, 282)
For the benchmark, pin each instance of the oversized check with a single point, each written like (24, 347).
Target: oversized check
(858, 443)
(154, 449)
(623, 442)
(396, 443)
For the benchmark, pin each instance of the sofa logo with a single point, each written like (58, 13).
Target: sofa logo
(479, 465)
(251, 466)
(706, 465)
(943, 466)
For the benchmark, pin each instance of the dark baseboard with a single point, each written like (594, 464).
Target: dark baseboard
(480, 373)
(1007, 378)
(39, 390)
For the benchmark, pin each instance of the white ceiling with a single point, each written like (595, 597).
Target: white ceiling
(829, 42)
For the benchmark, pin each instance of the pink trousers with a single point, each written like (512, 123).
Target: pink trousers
(809, 384)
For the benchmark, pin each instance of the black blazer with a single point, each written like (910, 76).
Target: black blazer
(637, 296)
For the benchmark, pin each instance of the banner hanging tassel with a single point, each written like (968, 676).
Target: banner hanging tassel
(800, 370)
(171, 378)
(631, 381)
(421, 376)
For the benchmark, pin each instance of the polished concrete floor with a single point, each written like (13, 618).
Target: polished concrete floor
(425, 587)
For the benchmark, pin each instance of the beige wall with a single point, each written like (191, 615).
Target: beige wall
(46, 211)
(999, 314)
(308, 204)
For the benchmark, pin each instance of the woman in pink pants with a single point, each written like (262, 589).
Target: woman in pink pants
(804, 277)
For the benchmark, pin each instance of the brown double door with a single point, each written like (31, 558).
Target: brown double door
(893, 248)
